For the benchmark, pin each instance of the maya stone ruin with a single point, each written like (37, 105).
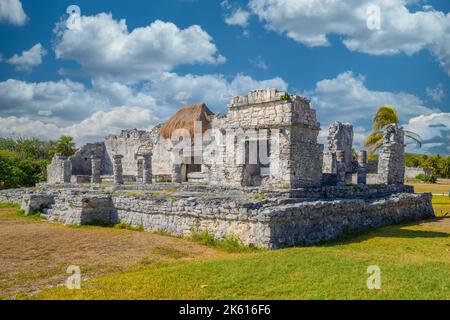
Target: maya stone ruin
(256, 173)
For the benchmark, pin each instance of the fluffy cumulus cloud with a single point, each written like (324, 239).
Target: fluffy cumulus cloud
(28, 59)
(215, 90)
(400, 30)
(60, 101)
(105, 47)
(437, 93)
(238, 17)
(47, 109)
(94, 128)
(434, 129)
(346, 98)
(11, 11)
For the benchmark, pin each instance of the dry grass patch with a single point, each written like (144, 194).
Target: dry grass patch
(35, 254)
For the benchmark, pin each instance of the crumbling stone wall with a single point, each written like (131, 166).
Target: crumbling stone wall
(293, 129)
(271, 223)
(340, 137)
(128, 143)
(391, 163)
(81, 160)
(59, 170)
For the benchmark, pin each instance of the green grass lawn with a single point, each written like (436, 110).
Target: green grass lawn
(414, 262)
(441, 187)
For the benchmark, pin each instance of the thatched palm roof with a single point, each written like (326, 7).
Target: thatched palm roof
(185, 119)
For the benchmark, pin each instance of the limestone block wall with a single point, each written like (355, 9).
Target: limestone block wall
(81, 161)
(59, 170)
(312, 222)
(128, 143)
(412, 172)
(292, 130)
(276, 223)
(340, 137)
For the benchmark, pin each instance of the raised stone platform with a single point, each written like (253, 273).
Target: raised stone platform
(263, 218)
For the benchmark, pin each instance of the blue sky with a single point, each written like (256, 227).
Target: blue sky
(111, 75)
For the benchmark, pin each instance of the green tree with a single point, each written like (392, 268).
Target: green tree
(65, 146)
(384, 116)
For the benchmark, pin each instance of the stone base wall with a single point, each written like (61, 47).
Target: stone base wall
(286, 219)
(313, 222)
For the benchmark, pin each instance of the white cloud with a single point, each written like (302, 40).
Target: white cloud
(259, 63)
(434, 130)
(215, 90)
(29, 58)
(238, 17)
(402, 31)
(26, 127)
(65, 100)
(104, 47)
(437, 94)
(91, 129)
(346, 98)
(86, 113)
(11, 11)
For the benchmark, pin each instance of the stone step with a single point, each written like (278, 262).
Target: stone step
(196, 177)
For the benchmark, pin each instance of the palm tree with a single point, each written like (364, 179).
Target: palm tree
(65, 146)
(384, 116)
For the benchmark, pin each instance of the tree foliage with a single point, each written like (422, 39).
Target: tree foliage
(23, 161)
(434, 165)
(65, 146)
(384, 116)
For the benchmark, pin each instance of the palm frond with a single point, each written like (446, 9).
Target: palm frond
(414, 136)
(385, 115)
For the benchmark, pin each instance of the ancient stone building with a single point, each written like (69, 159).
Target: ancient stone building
(266, 138)
(254, 172)
(59, 170)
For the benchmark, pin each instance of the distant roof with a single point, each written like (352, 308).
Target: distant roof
(185, 119)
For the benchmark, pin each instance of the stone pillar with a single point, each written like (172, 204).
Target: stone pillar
(96, 165)
(391, 166)
(362, 164)
(176, 173)
(147, 166)
(118, 169)
(140, 170)
(340, 137)
(340, 166)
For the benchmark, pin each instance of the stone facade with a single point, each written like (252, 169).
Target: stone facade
(264, 146)
(391, 163)
(284, 218)
(340, 137)
(59, 170)
(269, 120)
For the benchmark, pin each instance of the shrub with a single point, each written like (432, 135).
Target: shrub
(427, 178)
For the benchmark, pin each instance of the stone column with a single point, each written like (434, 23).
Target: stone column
(391, 166)
(176, 173)
(118, 169)
(340, 166)
(362, 164)
(96, 165)
(147, 165)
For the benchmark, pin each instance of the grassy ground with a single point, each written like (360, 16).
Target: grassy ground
(441, 187)
(414, 261)
(35, 254)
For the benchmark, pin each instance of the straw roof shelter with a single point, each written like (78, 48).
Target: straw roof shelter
(185, 119)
